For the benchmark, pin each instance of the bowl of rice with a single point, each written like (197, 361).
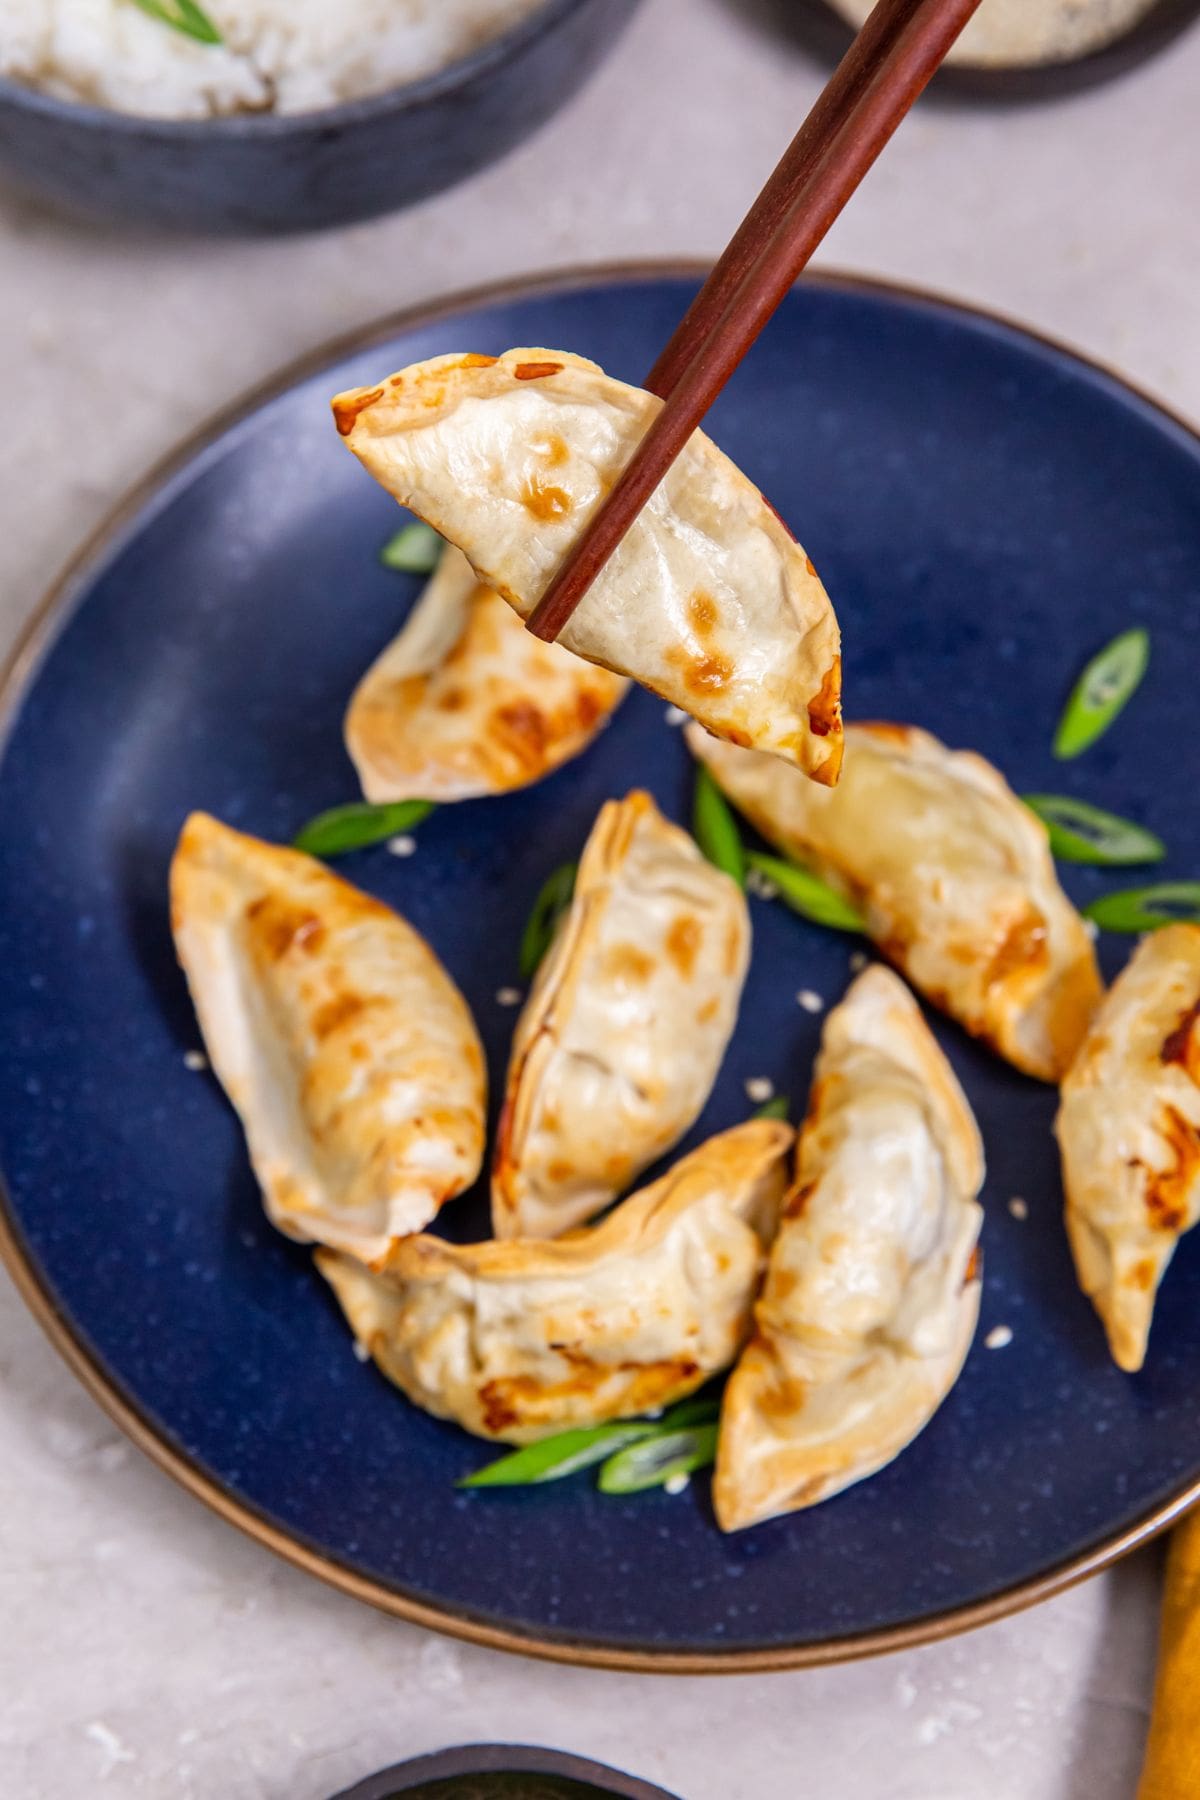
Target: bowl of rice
(261, 115)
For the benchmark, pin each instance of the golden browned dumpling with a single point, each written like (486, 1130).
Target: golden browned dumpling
(521, 1339)
(708, 601)
(872, 1290)
(620, 1041)
(466, 702)
(952, 873)
(1129, 1130)
(347, 1050)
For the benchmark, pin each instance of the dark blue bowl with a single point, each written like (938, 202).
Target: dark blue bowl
(502, 1772)
(296, 171)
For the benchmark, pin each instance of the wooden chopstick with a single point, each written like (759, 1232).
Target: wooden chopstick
(884, 71)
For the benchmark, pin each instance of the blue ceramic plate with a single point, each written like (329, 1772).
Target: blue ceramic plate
(986, 510)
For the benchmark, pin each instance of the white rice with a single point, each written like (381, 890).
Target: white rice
(1024, 33)
(286, 56)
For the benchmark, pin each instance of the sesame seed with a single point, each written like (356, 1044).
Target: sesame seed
(675, 715)
(1018, 1208)
(757, 883)
(760, 1089)
(858, 961)
(402, 845)
(361, 1353)
(508, 996)
(195, 1060)
(810, 1001)
(677, 1483)
(999, 1337)
(1092, 929)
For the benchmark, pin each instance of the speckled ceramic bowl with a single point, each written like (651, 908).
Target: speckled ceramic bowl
(502, 1772)
(293, 172)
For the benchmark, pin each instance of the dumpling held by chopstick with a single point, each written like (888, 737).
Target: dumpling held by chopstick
(708, 601)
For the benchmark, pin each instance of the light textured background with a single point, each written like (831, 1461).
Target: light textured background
(145, 1646)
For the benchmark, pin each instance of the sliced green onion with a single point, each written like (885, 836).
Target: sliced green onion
(563, 1454)
(778, 1108)
(414, 549)
(1147, 908)
(549, 907)
(806, 893)
(355, 826)
(569, 1451)
(652, 1461)
(1080, 833)
(1105, 687)
(715, 828)
(185, 16)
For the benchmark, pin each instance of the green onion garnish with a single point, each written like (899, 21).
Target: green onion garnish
(1080, 833)
(715, 828)
(778, 1108)
(569, 1451)
(549, 907)
(1106, 685)
(1147, 908)
(355, 826)
(414, 549)
(806, 893)
(185, 16)
(555, 1457)
(652, 1461)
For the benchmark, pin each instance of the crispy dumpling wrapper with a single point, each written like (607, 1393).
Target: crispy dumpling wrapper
(1129, 1131)
(872, 1292)
(521, 1339)
(952, 873)
(465, 702)
(708, 601)
(348, 1052)
(621, 1039)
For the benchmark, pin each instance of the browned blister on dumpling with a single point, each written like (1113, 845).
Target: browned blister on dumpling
(872, 1288)
(952, 873)
(708, 600)
(619, 1044)
(465, 702)
(349, 1053)
(1129, 1131)
(522, 1339)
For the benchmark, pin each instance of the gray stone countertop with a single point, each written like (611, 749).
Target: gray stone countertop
(148, 1649)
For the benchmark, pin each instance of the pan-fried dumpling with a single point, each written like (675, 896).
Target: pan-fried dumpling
(466, 702)
(952, 873)
(709, 601)
(620, 1041)
(347, 1050)
(872, 1288)
(1129, 1131)
(521, 1339)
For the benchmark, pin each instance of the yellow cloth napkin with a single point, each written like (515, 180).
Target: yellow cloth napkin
(1172, 1766)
